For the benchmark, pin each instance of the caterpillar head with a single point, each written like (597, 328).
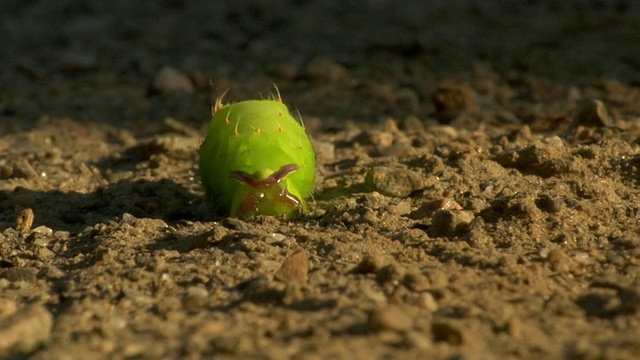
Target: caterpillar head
(265, 194)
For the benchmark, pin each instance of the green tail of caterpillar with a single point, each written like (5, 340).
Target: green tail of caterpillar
(256, 160)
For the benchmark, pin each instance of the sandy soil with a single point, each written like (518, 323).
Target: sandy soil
(477, 193)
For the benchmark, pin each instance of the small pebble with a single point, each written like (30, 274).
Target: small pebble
(275, 238)
(15, 274)
(129, 219)
(394, 182)
(592, 113)
(548, 204)
(114, 177)
(427, 210)
(450, 223)
(295, 268)
(43, 230)
(446, 332)
(25, 330)
(44, 254)
(556, 256)
(390, 318)
(195, 298)
(7, 307)
(426, 301)
(416, 339)
(453, 97)
(171, 80)
(324, 150)
(6, 172)
(23, 169)
(371, 264)
(137, 296)
(402, 208)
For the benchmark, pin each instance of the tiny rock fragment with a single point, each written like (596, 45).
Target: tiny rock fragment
(117, 176)
(426, 301)
(40, 236)
(295, 268)
(235, 224)
(24, 330)
(195, 298)
(324, 150)
(44, 254)
(275, 238)
(402, 208)
(390, 318)
(400, 148)
(412, 125)
(6, 172)
(129, 219)
(374, 137)
(555, 256)
(23, 169)
(137, 296)
(627, 293)
(15, 274)
(592, 113)
(450, 223)
(453, 97)
(394, 182)
(427, 210)
(371, 264)
(24, 221)
(548, 204)
(446, 332)
(171, 80)
(416, 339)
(415, 280)
(261, 289)
(390, 273)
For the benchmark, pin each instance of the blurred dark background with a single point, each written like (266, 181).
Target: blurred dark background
(101, 61)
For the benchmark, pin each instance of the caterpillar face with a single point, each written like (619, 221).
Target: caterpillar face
(256, 160)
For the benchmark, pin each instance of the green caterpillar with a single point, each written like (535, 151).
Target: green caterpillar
(256, 159)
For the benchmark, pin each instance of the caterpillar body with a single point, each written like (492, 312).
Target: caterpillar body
(256, 160)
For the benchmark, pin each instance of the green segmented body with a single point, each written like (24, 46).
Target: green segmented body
(257, 160)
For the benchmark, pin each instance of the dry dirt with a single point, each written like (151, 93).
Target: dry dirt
(477, 193)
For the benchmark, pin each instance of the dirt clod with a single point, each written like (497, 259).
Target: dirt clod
(447, 332)
(295, 268)
(394, 182)
(453, 97)
(390, 318)
(592, 113)
(25, 330)
(450, 223)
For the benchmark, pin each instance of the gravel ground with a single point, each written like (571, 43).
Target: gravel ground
(477, 180)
